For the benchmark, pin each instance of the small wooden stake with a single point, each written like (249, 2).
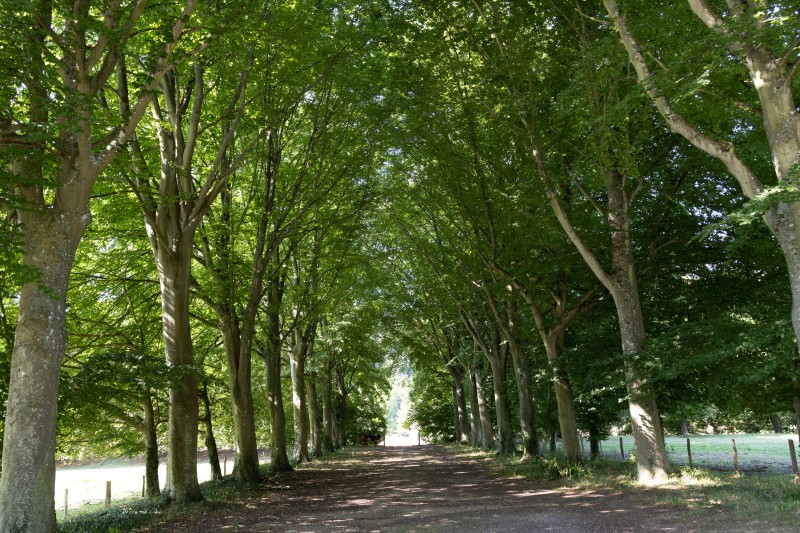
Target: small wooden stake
(794, 459)
(689, 451)
(225, 465)
(66, 498)
(142, 486)
(735, 457)
(621, 449)
(108, 494)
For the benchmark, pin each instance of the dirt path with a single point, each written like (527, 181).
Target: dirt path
(426, 488)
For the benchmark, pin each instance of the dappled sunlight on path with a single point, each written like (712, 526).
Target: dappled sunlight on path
(428, 488)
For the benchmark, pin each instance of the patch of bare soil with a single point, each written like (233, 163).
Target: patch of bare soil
(426, 488)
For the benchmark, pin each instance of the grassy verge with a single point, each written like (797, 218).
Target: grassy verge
(767, 499)
(135, 513)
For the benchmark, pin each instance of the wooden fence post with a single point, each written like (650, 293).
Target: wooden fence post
(735, 456)
(794, 459)
(621, 449)
(225, 464)
(108, 494)
(143, 486)
(689, 451)
(66, 498)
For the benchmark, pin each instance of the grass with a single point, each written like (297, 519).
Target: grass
(131, 513)
(768, 452)
(749, 500)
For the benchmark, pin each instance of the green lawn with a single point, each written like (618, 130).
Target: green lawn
(767, 452)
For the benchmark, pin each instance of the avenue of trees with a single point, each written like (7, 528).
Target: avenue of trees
(231, 222)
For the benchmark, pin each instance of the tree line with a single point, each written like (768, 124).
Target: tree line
(559, 202)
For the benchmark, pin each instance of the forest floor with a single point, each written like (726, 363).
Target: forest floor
(434, 488)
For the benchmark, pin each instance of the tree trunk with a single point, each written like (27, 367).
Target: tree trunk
(506, 436)
(335, 428)
(152, 485)
(564, 400)
(327, 412)
(652, 463)
(277, 416)
(527, 409)
(459, 403)
(684, 428)
(299, 407)
(341, 438)
(210, 441)
(796, 403)
(239, 367)
(475, 438)
(594, 441)
(27, 484)
(487, 442)
(775, 420)
(174, 272)
(313, 416)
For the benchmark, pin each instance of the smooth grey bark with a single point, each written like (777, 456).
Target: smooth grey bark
(208, 437)
(527, 410)
(239, 328)
(28, 480)
(312, 402)
(245, 467)
(297, 362)
(447, 347)
(554, 347)
(173, 206)
(52, 232)
(272, 362)
(459, 404)
(475, 436)
(552, 336)
(174, 272)
(148, 429)
(502, 411)
(496, 351)
(342, 390)
(487, 432)
(327, 410)
(651, 455)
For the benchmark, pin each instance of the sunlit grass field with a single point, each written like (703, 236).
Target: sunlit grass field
(758, 452)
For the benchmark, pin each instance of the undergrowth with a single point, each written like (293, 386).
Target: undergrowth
(117, 519)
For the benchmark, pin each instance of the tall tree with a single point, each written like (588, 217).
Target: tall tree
(757, 40)
(56, 141)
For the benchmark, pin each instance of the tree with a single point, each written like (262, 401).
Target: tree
(56, 140)
(757, 40)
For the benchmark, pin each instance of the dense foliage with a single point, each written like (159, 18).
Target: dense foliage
(548, 231)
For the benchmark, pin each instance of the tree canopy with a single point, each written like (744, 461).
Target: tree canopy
(547, 218)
